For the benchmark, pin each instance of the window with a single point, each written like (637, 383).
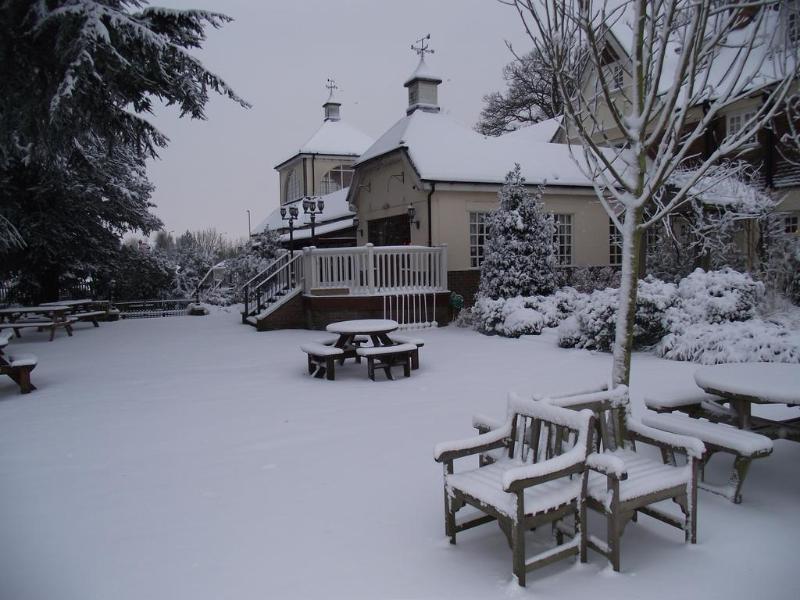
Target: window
(293, 190)
(563, 239)
(737, 121)
(613, 75)
(793, 26)
(791, 224)
(477, 238)
(614, 244)
(336, 179)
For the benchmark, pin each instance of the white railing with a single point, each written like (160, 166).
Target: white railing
(369, 270)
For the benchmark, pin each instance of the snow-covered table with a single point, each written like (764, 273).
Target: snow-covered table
(41, 317)
(743, 384)
(376, 329)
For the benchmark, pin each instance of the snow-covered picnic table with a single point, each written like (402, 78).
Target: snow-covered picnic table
(743, 384)
(41, 317)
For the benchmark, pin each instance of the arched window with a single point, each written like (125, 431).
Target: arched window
(293, 190)
(337, 178)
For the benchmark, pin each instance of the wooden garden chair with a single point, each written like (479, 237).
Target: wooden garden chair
(538, 477)
(624, 481)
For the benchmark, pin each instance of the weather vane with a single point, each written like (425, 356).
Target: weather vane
(331, 85)
(421, 46)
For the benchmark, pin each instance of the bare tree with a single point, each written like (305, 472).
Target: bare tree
(531, 95)
(643, 109)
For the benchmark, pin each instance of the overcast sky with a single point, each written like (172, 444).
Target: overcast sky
(278, 55)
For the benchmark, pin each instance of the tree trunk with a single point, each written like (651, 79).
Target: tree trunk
(628, 289)
(49, 284)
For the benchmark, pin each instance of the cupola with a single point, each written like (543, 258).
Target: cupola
(332, 106)
(423, 84)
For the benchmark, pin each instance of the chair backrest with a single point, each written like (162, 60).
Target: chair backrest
(611, 409)
(541, 431)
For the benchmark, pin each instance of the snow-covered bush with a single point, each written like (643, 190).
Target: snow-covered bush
(740, 341)
(519, 255)
(716, 297)
(594, 325)
(522, 315)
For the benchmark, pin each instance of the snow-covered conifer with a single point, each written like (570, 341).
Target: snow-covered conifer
(519, 257)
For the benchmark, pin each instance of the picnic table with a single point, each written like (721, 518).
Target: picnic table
(377, 330)
(41, 317)
(743, 384)
(84, 309)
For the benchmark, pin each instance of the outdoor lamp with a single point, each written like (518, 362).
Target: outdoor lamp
(293, 211)
(412, 212)
(306, 204)
(283, 212)
(321, 204)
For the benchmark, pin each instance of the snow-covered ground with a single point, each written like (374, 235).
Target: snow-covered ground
(193, 458)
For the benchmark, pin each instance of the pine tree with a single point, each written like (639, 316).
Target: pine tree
(519, 256)
(79, 77)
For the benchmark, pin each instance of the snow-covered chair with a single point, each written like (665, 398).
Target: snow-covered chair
(540, 478)
(626, 482)
(17, 366)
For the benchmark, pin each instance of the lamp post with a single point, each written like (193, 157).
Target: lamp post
(313, 207)
(293, 212)
(249, 233)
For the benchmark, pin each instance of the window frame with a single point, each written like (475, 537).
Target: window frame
(292, 181)
(327, 182)
(477, 238)
(564, 238)
(791, 224)
(614, 75)
(614, 244)
(744, 115)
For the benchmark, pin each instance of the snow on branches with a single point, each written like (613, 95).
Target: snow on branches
(519, 255)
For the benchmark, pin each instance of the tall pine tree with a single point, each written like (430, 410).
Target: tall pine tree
(79, 77)
(519, 257)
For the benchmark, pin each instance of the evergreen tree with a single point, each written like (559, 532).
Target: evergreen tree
(519, 256)
(78, 76)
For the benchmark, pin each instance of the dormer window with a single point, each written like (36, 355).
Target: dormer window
(737, 121)
(613, 75)
(337, 178)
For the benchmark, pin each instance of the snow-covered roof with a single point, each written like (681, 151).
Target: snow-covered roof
(336, 208)
(423, 71)
(543, 131)
(444, 150)
(305, 233)
(334, 137)
(761, 66)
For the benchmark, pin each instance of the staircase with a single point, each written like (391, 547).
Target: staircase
(281, 281)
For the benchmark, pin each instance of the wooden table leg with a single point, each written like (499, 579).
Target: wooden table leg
(742, 408)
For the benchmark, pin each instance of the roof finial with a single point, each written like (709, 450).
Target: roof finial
(421, 46)
(331, 85)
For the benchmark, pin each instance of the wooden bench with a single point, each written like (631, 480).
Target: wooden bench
(539, 478)
(321, 359)
(689, 402)
(717, 437)
(418, 342)
(91, 315)
(17, 366)
(387, 357)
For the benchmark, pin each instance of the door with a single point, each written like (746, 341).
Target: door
(389, 231)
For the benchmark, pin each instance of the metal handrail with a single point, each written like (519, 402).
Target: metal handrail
(260, 273)
(288, 271)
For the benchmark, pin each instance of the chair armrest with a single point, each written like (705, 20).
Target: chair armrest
(518, 478)
(449, 451)
(607, 464)
(483, 423)
(656, 437)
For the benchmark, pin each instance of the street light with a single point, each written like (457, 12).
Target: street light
(249, 234)
(293, 212)
(313, 207)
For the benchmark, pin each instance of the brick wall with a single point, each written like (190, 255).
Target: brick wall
(464, 283)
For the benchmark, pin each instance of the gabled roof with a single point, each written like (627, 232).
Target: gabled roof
(762, 65)
(444, 150)
(337, 138)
